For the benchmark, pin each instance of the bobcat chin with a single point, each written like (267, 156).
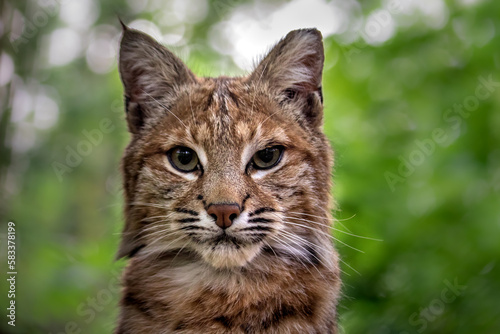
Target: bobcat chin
(227, 195)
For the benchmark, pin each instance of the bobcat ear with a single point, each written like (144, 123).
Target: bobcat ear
(293, 68)
(149, 72)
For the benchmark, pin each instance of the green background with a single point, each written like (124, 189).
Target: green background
(411, 169)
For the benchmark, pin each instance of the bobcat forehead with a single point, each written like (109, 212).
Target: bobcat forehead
(227, 195)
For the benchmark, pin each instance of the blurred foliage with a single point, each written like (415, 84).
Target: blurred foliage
(411, 168)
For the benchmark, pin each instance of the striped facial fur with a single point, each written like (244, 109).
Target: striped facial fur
(227, 195)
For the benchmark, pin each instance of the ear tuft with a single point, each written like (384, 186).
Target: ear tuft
(124, 26)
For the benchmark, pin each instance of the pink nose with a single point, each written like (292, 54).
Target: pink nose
(224, 214)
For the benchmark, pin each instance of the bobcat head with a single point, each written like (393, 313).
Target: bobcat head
(230, 170)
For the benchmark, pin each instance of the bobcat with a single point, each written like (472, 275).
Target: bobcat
(227, 195)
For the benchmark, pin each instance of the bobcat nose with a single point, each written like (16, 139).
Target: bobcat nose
(224, 214)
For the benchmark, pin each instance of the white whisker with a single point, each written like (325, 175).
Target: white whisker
(163, 233)
(335, 229)
(258, 82)
(290, 252)
(154, 217)
(295, 239)
(161, 104)
(180, 250)
(161, 238)
(328, 219)
(191, 105)
(323, 233)
(159, 206)
(315, 245)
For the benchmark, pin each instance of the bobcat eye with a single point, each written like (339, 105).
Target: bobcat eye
(268, 157)
(183, 159)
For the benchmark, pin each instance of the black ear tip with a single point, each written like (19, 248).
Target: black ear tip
(311, 31)
(307, 31)
(124, 26)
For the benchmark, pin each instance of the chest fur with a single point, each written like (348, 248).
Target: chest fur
(192, 299)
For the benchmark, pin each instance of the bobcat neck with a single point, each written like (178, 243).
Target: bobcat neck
(178, 293)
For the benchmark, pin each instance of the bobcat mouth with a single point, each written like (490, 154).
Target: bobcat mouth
(227, 251)
(226, 239)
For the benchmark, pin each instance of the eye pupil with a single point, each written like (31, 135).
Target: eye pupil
(184, 156)
(267, 155)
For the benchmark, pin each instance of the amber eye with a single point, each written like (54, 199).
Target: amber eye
(268, 157)
(183, 159)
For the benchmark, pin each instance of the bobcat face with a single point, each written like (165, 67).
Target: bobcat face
(228, 169)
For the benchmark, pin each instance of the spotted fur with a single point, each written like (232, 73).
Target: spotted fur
(274, 270)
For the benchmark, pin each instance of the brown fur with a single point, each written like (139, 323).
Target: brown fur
(275, 269)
